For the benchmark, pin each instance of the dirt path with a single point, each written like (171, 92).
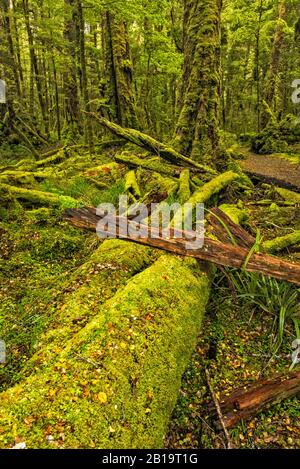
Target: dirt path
(273, 169)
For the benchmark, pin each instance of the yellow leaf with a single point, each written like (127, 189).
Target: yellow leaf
(102, 397)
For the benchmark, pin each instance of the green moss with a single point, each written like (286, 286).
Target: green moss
(203, 194)
(109, 268)
(40, 215)
(116, 383)
(270, 140)
(149, 164)
(184, 186)
(38, 197)
(278, 244)
(288, 195)
(131, 184)
(236, 214)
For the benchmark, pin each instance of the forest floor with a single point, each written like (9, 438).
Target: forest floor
(42, 254)
(238, 356)
(280, 169)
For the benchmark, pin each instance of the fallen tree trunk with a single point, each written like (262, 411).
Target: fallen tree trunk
(242, 405)
(149, 164)
(288, 196)
(218, 253)
(117, 381)
(145, 141)
(37, 197)
(94, 283)
(205, 192)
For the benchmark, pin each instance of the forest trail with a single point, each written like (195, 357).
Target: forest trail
(273, 169)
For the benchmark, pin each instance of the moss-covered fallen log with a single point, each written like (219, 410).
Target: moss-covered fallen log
(131, 184)
(205, 192)
(94, 283)
(288, 196)
(149, 164)
(37, 197)
(282, 242)
(184, 186)
(13, 177)
(244, 404)
(145, 141)
(219, 253)
(116, 383)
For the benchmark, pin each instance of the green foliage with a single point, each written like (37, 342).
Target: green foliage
(279, 299)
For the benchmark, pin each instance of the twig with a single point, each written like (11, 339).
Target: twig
(219, 412)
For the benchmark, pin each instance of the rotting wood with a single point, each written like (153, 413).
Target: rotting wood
(244, 404)
(212, 251)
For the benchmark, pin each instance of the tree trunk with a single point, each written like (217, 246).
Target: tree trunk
(83, 77)
(272, 76)
(119, 71)
(197, 128)
(11, 48)
(35, 67)
(70, 75)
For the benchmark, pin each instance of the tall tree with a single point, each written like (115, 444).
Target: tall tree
(70, 69)
(119, 71)
(274, 68)
(197, 128)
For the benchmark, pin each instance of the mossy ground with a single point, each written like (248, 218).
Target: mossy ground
(239, 354)
(47, 276)
(236, 356)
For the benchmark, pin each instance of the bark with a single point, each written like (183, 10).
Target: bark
(197, 128)
(83, 77)
(272, 76)
(212, 251)
(243, 405)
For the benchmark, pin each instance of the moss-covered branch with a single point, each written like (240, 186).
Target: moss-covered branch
(202, 195)
(145, 141)
(282, 242)
(37, 197)
(149, 164)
